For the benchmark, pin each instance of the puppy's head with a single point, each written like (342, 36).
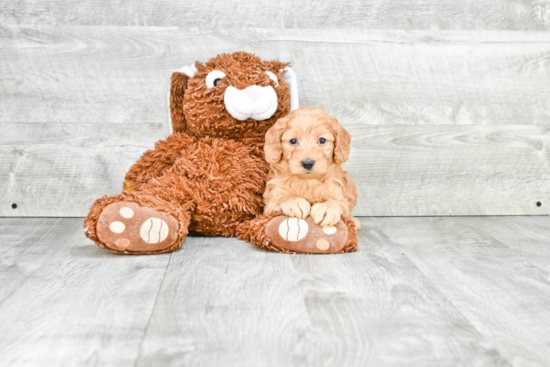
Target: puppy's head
(308, 141)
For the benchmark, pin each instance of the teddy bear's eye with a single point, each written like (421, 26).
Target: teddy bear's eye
(322, 141)
(214, 78)
(293, 141)
(273, 77)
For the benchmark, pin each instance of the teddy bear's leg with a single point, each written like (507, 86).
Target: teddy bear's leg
(291, 235)
(135, 222)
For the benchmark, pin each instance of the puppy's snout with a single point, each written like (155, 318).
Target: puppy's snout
(308, 163)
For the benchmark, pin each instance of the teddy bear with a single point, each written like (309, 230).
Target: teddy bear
(209, 175)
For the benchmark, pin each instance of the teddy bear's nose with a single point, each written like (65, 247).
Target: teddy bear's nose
(253, 92)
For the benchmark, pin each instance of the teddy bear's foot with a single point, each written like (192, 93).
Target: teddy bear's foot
(128, 227)
(305, 236)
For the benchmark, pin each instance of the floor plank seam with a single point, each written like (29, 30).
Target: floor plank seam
(488, 338)
(152, 310)
(511, 249)
(6, 296)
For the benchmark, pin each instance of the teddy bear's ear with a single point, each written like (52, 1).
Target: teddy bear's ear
(187, 70)
(178, 87)
(290, 77)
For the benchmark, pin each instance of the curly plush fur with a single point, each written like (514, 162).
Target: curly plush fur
(210, 173)
(208, 177)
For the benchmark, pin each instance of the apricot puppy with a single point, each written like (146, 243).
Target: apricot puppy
(306, 150)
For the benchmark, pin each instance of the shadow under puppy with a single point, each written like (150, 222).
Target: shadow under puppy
(307, 186)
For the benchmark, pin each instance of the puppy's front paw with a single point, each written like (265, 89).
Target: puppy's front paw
(296, 208)
(324, 215)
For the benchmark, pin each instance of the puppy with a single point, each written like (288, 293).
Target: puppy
(306, 150)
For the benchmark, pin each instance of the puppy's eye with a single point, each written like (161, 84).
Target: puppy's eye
(214, 78)
(273, 77)
(293, 142)
(322, 141)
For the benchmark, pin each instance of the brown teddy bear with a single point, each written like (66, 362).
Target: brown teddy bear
(209, 175)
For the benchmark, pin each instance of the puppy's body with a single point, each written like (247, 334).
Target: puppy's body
(306, 151)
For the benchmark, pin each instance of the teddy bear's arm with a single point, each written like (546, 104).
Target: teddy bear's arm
(153, 163)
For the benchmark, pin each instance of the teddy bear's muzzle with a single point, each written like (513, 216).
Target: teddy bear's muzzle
(255, 102)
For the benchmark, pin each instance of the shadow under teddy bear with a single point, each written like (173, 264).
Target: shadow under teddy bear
(209, 175)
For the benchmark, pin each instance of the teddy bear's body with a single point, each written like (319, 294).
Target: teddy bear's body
(209, 175)
(221, 181)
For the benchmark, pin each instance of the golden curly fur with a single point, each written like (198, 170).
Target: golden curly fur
(324, 190)
(210, 173)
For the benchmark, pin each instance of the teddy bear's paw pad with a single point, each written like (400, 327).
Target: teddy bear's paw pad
(130, 227)
(305, 236)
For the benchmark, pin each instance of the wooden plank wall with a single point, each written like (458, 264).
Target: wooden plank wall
(448, 102)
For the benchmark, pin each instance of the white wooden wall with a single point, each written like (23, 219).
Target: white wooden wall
(448, 101)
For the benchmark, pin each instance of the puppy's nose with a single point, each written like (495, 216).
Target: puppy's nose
(308, 163)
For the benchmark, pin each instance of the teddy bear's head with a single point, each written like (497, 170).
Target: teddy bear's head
(234, 95)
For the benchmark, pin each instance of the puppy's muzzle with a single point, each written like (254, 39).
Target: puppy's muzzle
(307, 163)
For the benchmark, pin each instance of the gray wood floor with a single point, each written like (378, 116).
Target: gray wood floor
(424, 291)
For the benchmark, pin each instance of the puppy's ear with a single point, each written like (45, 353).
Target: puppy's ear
(273, 149)
(342, 143)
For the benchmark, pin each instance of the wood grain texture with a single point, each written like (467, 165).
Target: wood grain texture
(450, 170)
(445, 291)
(224, 302)
(529, 245)
(60, 169)
(65, 302)
(121, 74)
(480, 265)
(377, 14)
